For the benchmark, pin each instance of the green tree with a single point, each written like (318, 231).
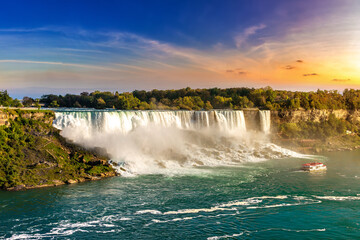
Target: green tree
(100, 103)
(54, 104)
(37, 104)
(208, 106)
(27, 101)
(5, 99)
(16, 103)
(127, 101)
(222, 102)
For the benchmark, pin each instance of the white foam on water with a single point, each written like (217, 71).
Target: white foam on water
(235, 203)
(276, 205)
(185, 211)
(172, 220)
(114, 218)
(266, 230)
(56, 232)
(260, 202)
(148, 211)
(339, 198)
(273, 197)
(291, 230)
(225, 236)
(252, 200)
(197, 210)
(249, 203)
(300, 201)
(231, 206)
(80, 224)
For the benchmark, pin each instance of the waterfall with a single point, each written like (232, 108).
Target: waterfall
(126, 121)
(265, 121)
(168, 142)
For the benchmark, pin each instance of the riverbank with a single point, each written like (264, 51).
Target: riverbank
(316, 131)
(34, 155)
(317, 146)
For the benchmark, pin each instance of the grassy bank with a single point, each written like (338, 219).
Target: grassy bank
(33, 154)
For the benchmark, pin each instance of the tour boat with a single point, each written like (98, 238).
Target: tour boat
(314, 166)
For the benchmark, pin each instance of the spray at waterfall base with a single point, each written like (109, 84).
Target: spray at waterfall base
(168, 142)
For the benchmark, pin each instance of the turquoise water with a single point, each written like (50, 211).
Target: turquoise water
(267, 200)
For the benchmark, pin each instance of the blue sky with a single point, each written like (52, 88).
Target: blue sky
(72, 46)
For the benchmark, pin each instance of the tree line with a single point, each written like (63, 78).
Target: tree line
(197, 99)
(7, 101)
(213, 98)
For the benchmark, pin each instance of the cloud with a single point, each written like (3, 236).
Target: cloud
(237, 71)
(68, 31)
(289, 67)
(62, 64)
(310, 74)
(80, 50)
(241, 38)
(341, 80)
(24, 30)
(151, 63)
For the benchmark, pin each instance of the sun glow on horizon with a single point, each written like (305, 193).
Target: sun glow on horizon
(319, 48)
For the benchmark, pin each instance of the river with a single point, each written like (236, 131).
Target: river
(256, 191)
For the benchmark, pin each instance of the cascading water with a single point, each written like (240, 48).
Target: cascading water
(125, 121)
(169, 141)
(265, 121)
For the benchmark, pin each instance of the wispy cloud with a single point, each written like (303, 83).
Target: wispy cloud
(80, 50)
(310, 74)
(241, 38)
(289, 67)
(25, 30)
(62, 64)
(341, 80)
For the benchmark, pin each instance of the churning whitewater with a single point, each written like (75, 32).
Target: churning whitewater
(145, 142)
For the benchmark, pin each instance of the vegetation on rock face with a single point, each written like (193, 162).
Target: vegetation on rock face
(32, 154)
(332, 134)
(195, 99)
(309, 130)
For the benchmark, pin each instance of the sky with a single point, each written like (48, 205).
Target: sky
(66, 46)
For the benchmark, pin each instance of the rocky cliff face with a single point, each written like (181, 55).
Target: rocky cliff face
(313, 115)
(252, 119)
(296, 116)
(321, 138)
(7, 115)
(3, 119)
(33, 154)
